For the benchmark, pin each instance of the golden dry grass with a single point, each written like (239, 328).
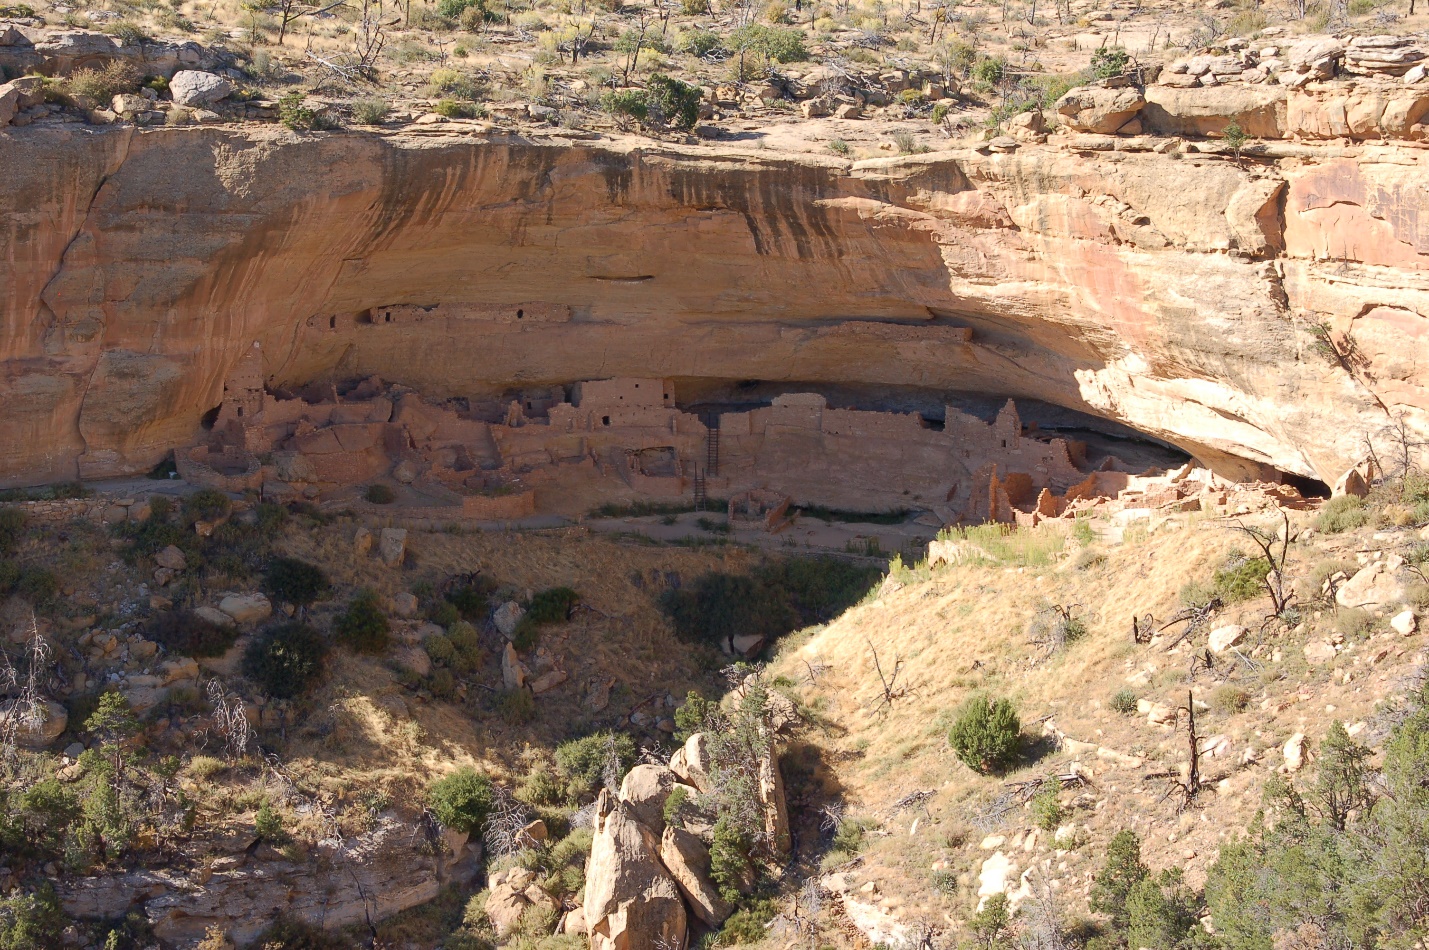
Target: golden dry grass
(963, 630)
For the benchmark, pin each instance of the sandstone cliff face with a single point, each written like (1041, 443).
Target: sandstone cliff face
(1178, 294)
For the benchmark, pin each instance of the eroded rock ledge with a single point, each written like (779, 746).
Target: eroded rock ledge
(1261, 314)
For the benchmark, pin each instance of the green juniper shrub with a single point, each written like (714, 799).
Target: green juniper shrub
(750, 923)
(1161, 912)
(466, 644)
(550, 606)
(1241, 578)
(269, 826)
(379, 494)
(693, 715)
(987, 734)
(185, 633)
(1122, 871)
(32, 920)
(670, 102)
(473, 599)
(1108, 62)
(731, 868)
(625, 105)
(462, 800)
(363, 627)
(990, 925)
(583, 762)
(1047, 811)
(285, 659)
(674, 805)
(296, 582)
(700, 42)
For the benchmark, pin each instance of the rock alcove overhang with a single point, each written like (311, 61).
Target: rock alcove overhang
(139, 267)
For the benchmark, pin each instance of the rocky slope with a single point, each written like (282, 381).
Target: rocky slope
(1159, 283)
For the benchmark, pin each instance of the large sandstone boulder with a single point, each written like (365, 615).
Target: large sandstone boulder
(1373, 586)
(19, 94)
(193, 87)
(513, 892)
(392, 546)
(691, 763)
(645, 789)
(631, 901)
(688, 861)
(246, 608)
(1099, 110)
(1258, 110)
(35, 729)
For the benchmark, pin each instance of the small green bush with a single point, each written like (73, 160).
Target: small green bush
(293, 581)
(206, 504)
(379, 494)
(1108, 62)
(285, 659)
(103, 83)
(550, 606)
(462, 800)
(1343, 513)
(371, 111)
(363, 627)
(986, 734)
(700, 42)
(1047, 811)
(989, 71)
(1241, 579)
(750, 923)
(12, 528)
(1228, 699)
(516, 706)
(1123, 701)
(626, 104)
(472, 599)
(185, 633)
(269, 826)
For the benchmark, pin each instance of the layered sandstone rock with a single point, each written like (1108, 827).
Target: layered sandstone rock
(630, 898)
(139, 267)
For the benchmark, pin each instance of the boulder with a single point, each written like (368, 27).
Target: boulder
(691, 763)
(193, 87)
(548, 681)
(362, 542)
(1259, 110)
(645, 789)
(35, 728)
(1319, 652)
(404, 605)
(392, 546)
(507, 616)
(1098, 110)
(631, 901)
(1372, 586)
(512, 892)
(213, 615)
(994, 876)
(171, 557)
(415, 660)
(1295, 752)
(246, 608)
(513, 671)
(1223, 638)
(688, 861)
(1404, 623)
(19, 94)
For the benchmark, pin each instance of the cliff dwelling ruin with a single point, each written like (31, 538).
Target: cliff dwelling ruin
(559, 450)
